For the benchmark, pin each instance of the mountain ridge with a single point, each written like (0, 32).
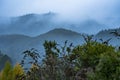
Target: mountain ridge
(35, 24)
(14, 45)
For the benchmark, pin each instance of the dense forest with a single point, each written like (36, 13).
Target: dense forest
(89, 61)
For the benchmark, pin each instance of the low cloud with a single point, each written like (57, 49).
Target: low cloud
(104, 11)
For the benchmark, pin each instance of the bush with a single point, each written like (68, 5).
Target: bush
(90, 61)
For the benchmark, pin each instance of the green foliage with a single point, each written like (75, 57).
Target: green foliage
(10, 73)
(108, 67)
(89, 61)
(89, 54)
(57, 65)
(18, 72)
(6, 74)
(30, 58)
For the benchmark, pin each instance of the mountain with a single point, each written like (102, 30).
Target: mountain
(35, 24)
(106, 34)
(88, 26)
(30, 24)
(14, 45)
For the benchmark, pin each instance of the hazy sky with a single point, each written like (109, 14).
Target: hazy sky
(75, 8)
(106, 11)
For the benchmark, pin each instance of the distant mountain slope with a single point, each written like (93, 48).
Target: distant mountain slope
(3, 60)
(106, 34)
(35, 24)
(88, 26)
(60, 32)
(14, 45)
(30, 24)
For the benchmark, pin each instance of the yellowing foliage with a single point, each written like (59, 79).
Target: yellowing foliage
(0, 75)
(9, 73)
(18, 71)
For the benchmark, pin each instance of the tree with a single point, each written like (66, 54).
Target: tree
(108, 67)
(18, 72)
(7, 74)
(89, 61)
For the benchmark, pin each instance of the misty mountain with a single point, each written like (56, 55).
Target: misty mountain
(14, 45)
(35, 24)
(106, 34)
(90, 26)
(30, 24)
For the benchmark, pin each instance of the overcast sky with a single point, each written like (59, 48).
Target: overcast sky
(65, 7)
(102, 10)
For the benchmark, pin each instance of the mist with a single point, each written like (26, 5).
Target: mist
(105, 12)
(26, 24)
